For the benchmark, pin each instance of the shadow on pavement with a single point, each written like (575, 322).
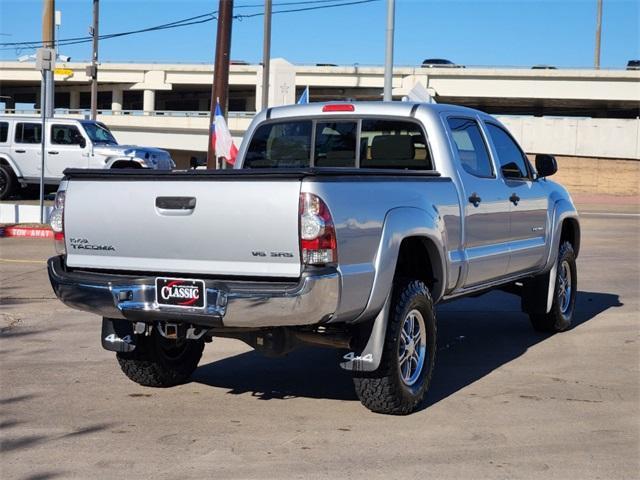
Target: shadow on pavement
(472, 342)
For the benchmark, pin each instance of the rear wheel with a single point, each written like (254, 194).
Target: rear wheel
(8, 182)
(402, 379)
(160, 362)
(560, 316)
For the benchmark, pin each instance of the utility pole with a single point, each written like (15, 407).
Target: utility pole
(48, 41)
(598, 35)
(388, 58)
(266, 54)
(93, 69)
(220, 87)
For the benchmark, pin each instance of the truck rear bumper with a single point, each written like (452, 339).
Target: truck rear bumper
(313, 299)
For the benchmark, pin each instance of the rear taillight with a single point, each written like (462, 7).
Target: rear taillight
(317, 233)
(56, 220)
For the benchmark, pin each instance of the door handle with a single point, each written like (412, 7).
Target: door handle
(52, 152)
(174, 206)
(475, 199)
(514, 199)
(21, 151)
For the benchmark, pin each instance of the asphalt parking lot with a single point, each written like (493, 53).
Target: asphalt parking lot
(506, 402)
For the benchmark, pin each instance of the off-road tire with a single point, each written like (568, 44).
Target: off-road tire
(383, 390)
(8, 181)
(557, 320)
(154, 364)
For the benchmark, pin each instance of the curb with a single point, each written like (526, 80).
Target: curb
(26, 232)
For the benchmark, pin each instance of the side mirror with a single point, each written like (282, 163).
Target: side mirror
(546, 165)
(82, 142)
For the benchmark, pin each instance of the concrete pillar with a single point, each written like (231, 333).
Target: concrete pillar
(116, 100)
(9, 104)
(74, 99)
(149, 101)
(282, 83)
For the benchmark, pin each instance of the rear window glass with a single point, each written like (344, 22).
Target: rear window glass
(374, 143)
(28, 133)
(4, 131)
(286, 144)
(336, 144)
(394, 144)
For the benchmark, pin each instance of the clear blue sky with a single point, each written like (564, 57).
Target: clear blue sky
(500, 33)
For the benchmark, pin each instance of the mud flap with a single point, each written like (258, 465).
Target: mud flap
(117, 335)
(368, 360)
(542, 286)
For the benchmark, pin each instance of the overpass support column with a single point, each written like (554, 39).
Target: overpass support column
(74, 99)
(149, 101)
(116, 100)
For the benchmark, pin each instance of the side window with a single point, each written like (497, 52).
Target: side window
(4, 132)
(336, 144)
(28, 133)
(513, 163)
(393, 144)
(65, 135)
(472, 150)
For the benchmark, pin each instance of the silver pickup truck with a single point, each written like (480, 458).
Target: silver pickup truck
(342, 225)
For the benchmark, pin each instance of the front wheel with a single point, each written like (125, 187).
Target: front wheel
(8, 182)
(560, 316)
(160, 362)
(402, 379)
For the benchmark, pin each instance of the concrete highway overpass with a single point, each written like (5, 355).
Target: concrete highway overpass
(573, 113)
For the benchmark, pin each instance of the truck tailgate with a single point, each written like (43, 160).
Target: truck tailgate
(227, 226)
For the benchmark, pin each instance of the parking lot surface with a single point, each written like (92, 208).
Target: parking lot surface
(505, 402)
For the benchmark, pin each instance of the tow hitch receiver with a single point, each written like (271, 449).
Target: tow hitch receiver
(118, 335)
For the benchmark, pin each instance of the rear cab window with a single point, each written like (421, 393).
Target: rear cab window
(340, 143)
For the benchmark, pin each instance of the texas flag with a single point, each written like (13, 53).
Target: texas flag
(221, 139)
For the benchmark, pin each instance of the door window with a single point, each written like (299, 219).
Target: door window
(4, 131)
(512, 161)
(28, 133)
(65, 135)
(471, 147)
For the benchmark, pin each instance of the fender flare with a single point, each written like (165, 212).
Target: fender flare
(12, 164)
(400, 223)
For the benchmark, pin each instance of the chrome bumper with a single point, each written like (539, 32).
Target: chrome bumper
(313, 299)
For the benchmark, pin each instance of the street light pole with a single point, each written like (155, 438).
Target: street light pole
(48, 41)
(94, 60)
(598, 35)
(266, 53)
(388, 60)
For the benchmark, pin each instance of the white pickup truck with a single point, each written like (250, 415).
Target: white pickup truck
(342, 225)
(69, 143)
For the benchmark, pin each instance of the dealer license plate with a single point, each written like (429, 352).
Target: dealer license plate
(180, 292)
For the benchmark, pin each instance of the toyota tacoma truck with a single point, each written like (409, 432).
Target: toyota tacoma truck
(341, 225)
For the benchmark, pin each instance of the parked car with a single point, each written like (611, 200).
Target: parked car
(543, 67)
(70, 143)
(633, 65)
(440, 63)
(350, 221)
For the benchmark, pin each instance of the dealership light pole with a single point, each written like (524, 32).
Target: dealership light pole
(598, 35)
(388, 59)
(48, 41)
(266, 53)
(93, 69)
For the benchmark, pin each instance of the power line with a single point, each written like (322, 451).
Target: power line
(198, 19)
